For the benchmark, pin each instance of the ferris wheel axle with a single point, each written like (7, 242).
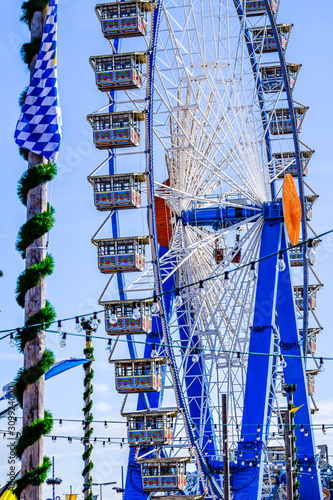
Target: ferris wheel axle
(227, 216)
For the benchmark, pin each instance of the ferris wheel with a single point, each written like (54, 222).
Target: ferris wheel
(202, 135)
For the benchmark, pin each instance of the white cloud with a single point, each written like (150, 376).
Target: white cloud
(102, 406)
(101, 388)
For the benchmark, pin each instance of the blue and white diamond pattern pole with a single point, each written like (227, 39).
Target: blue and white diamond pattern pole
(39, 126)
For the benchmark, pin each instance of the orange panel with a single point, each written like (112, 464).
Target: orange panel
(163, 220)
(292, 209)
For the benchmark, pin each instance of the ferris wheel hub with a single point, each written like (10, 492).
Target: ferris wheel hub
(222, 217)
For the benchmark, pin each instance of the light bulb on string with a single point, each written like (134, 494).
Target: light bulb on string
(323, 429)
(201, 289)
(78, 327)
(322, 366)
(195, 357)
(311, 252)
(11, 340)
(108, 347)
(283, 362)
(63, 342)
(239, 359)
(281, 265)
(226, 283)
(179, 299)
(60, 329)
(155, 309)
(136, 311)
(252, 272)
(94, 323)
(302, 428)
(154, 352)
(113, 317)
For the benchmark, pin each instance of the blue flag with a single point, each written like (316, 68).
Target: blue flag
(39, 126)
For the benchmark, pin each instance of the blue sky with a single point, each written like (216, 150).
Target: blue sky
(76, 284)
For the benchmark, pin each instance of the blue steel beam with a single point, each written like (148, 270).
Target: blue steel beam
(247, 484)
(133, 488)
(289, 93)
(291, 345)
(197, 390)
(219, 217)
(226, 216)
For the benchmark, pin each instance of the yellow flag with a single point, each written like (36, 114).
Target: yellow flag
(71, 497)
(294, 410)
(8, 495)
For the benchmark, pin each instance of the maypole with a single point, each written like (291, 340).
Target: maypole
(90, 326)
(38, 135)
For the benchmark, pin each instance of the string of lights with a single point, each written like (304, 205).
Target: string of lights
(310, 242)
(321, 359)
(106, 423)
(120, 440)
(275, 462)
(199, 350)
(232, 427)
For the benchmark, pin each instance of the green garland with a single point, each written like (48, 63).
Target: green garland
(30, 7)
(44, 316)
(34, 477)
(22, 97)
(24, 153)
(36, 175)
(32, 230)
(30, 49)
(88, 417)
(27, 376)
(31, 433)
(32, 277)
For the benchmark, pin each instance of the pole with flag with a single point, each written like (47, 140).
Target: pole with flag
(38, 133)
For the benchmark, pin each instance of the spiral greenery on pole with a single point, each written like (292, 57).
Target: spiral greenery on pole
(88, 326)
(35, 228)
